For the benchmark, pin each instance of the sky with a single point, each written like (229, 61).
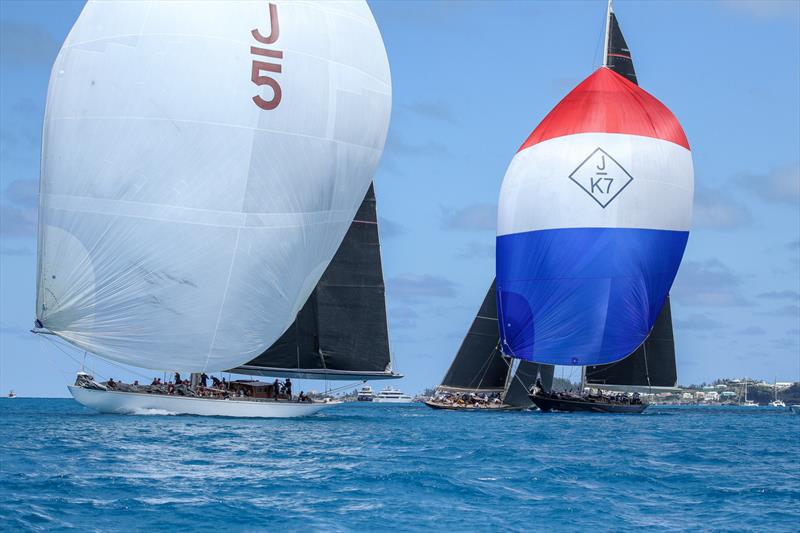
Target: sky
(471, 80)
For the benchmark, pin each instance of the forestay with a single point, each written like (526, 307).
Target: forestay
(201, 164)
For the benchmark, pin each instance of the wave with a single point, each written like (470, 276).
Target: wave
(141, 411)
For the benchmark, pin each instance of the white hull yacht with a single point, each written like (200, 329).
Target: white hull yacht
(131, 403)
(98, 397)
(392, 395)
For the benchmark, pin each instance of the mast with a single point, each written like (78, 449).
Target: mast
(608, 31)
(616, 54)
(513, 364)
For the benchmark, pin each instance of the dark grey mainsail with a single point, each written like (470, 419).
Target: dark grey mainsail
(522, 381)
(341, 331)
(617, 55)
(651, 366)
(479, 365)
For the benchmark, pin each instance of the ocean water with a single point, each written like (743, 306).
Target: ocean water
(362, 467)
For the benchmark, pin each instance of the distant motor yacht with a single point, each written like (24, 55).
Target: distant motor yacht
(365, 394)
(12, 394)
(392, 395)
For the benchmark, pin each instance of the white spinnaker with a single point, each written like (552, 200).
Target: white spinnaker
(182, 226)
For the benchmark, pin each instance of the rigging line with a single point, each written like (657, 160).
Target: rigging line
(515, 376)
(502, 320)
(646, 369)
(346, 386)
(107, 361)
(486, 365)
(58, 347)
(66, 374)
(600, 37)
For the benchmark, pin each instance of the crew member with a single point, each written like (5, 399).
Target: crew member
(276, 386)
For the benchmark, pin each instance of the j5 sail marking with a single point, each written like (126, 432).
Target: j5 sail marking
(261, 66)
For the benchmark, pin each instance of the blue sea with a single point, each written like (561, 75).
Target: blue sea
(362, 467)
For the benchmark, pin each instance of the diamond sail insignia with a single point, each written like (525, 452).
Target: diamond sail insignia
(601, 177)
(188, 208)
(341, 331)
(593, 220)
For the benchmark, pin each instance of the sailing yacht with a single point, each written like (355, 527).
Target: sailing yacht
(479, 370)
(202, 226)
(777, 402)
(593, 220)
(318, 344)
(746, 402)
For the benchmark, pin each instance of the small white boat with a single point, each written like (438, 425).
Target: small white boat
(747, 403)
(12, 394)
(392, 395)
(365, 394)
(777, 402)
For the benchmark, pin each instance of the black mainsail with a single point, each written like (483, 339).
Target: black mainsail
(479, 365)
(651, 366)
(617, 56)
(341, 332)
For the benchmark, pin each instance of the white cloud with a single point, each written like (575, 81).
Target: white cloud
(716, 209)
(780, 185)
(476, 217)
(710, 283)
(416, 287)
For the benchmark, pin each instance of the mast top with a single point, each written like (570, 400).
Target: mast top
(608, 31)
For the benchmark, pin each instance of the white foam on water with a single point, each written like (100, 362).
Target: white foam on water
(152, 412)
